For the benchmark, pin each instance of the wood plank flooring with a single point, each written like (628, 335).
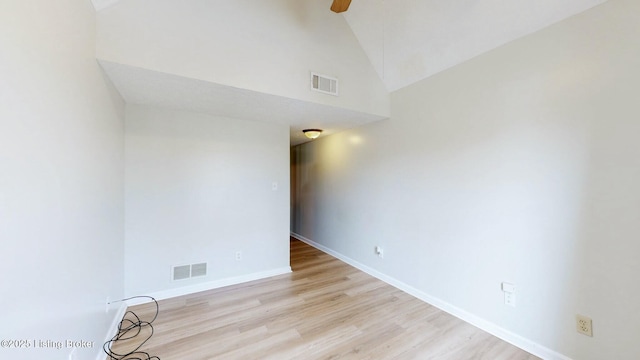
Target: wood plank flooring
(324, 309)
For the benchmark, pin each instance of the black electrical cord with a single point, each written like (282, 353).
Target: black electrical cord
(130, 328)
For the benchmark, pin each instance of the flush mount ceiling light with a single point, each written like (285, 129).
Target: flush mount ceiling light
(312, 133)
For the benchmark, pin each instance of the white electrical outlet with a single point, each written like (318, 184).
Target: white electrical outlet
(510, 299)
(584, 325)
(509, 291)
(379, 251)
(238, 255)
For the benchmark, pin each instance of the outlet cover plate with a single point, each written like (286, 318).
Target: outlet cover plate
(510, 299)
(584, 325)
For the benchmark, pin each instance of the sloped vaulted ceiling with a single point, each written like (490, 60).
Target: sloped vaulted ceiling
(247, 59)
(264, 50)
(409, 40)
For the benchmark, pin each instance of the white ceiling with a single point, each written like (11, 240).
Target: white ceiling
(405, 40)
(409, 40)
(146, 87)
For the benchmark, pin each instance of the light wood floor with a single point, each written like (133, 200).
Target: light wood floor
(325, 309)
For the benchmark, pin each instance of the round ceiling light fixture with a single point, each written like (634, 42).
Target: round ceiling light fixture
(312, 133)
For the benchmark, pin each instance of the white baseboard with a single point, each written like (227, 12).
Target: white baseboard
(113, 329)
(493, 329)
(186, 290)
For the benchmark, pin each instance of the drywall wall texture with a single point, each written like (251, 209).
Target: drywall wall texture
(268, 46)
(520, 165)
(199, 189)
(61, 181)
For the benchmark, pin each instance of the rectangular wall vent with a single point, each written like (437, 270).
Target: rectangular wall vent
(198, 269)
(182, 272)
(324, 84)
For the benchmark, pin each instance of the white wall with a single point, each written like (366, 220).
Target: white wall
(269, 46)
(198, 189)
(521, 165)
(61, 180)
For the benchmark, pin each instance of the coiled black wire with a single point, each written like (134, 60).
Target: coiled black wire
(130, 327)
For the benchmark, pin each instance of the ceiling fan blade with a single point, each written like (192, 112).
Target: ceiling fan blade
(339, 6)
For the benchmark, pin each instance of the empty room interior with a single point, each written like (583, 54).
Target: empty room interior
(478, 164)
